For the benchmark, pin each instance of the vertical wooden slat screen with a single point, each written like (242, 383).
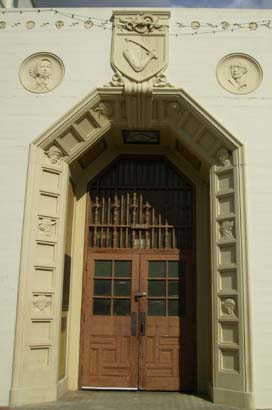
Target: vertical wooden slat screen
(140, 203)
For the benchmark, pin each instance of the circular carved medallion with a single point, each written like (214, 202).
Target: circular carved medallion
(239, 73)
(41, 72)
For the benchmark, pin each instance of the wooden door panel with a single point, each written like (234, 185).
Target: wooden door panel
(108, 349)
(110, 361)
(159, 367)
(167, 346)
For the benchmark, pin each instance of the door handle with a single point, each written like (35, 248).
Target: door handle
(142, 324)
(134, 324)
(139, 295)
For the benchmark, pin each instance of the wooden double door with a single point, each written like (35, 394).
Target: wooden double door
(137, 327)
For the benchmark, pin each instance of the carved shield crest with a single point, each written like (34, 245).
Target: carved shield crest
(140, 45)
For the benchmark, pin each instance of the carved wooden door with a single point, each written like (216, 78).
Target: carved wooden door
(138, 326)
(109, 346)
(166, 342)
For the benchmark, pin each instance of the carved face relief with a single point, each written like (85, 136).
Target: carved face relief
(46, 226)
(41, 72)
(54, 154)
(226, 229)
(42, 302)
(223, 157)
(239, 73)
(104, 109)
(229, 307)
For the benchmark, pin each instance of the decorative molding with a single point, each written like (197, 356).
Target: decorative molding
(226, 229)
(46, 225)
(195, 25)
(59, 24)
(173, 110)
(187, 27)
(117, 80)
(54, 155)
(139, 107)
(229, 307)
(30, 24)
(223, 157)
(239, 73)
(88, 24)
(104, 109)
(140, 23)
(136, 60)
(42, 302)
(161, 81)
(41, 72)
(138, 52)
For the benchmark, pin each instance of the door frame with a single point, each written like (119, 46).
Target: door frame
(141, 252)
(231, 378)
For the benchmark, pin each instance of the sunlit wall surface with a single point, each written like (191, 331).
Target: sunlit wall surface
(255, 4)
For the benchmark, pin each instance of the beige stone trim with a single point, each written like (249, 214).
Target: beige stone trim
(233, 398)
(103, 110)
(39, 304)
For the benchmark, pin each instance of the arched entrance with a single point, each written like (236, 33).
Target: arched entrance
(138, 307)
(82, 143)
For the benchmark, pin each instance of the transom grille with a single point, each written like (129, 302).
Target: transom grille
(141, 203)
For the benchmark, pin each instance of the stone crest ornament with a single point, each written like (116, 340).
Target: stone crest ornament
(140, 44)
(41, 72)
(239, 73)
(141, 23)
(54, 154)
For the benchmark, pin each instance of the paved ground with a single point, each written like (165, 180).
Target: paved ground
(98, 400)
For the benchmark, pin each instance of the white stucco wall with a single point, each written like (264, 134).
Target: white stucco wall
(86, 56)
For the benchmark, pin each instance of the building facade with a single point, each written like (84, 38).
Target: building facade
(135, 202)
